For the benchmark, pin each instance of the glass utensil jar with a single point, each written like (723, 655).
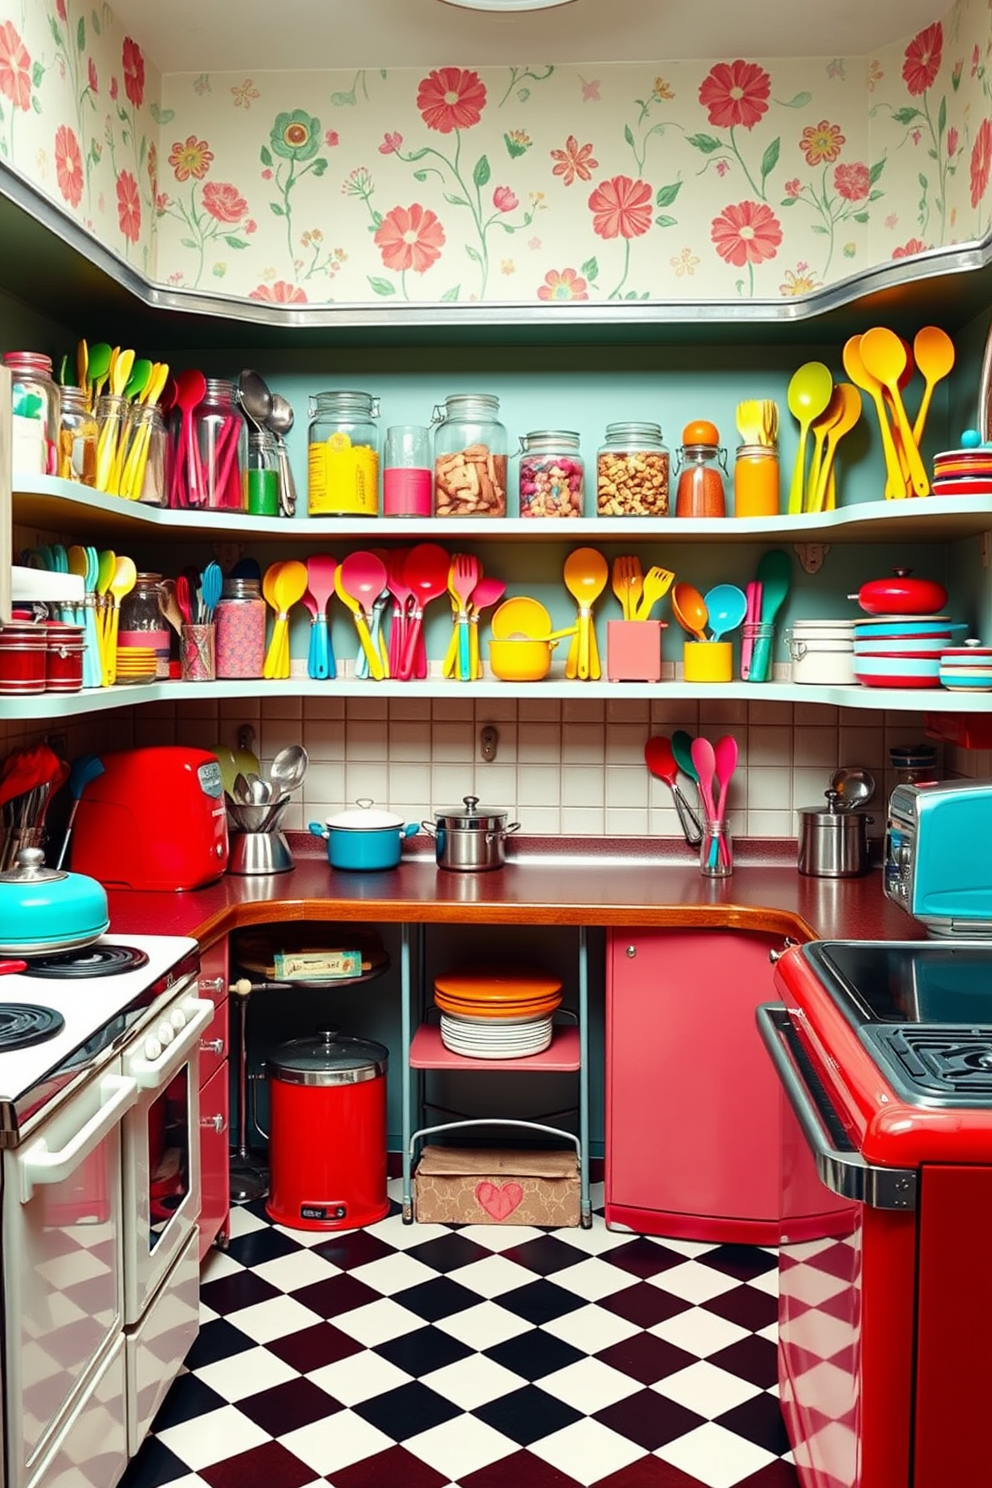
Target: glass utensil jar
(77, 437)
(702, 466)
(470, 455)
(262, 477)
(551, 474)
(142, 623)
(756, 481)
(343, 457)
(407, 472)
(239, 643)
(632, 472)
(219, 431)
(35, 409)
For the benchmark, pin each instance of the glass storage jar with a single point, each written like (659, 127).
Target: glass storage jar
(632, 472)
(551, 474)
(262, 474)
(77, 438)
(35, 410)
(220, 435)
(239, 645)
(470, 455)
(756, 481)
(343, 457)
(142, 622)
(700, 491)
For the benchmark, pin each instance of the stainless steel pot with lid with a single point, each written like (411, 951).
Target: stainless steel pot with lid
(470, 837)
(833, 842)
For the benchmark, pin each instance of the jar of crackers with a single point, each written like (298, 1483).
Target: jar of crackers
(632, 472)
(470, 454)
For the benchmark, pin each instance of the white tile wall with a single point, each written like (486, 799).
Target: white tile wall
(574, 767)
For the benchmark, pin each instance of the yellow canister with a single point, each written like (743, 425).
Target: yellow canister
(343, 455)
(708, 661)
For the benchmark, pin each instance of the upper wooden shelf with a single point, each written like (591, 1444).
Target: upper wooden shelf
(53, 505)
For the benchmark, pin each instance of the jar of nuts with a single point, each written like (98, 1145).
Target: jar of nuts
(632, 472)
(470, 454)
(551, 474)
(343, 455)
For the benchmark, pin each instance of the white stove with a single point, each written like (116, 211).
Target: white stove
(97, 1011)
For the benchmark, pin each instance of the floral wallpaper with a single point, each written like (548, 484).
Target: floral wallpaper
(720, 179)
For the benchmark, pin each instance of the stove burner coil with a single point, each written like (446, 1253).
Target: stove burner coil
(25, 1023)
(88, 961)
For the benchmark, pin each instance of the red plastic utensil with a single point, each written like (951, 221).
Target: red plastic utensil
(426, 572)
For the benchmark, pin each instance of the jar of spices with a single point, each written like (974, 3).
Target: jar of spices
(77, 438)
(702, 466)
(471, 447)
(632, 472)
(262, 474)
(219, 431)
(35, 410)
(239, 645)
(142, 622)
(551, 474)
(756, 481)
(343, 457)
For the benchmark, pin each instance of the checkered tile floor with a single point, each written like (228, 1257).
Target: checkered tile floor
(422, 1356)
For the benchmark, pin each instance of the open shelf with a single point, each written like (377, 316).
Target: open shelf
(562, 1055)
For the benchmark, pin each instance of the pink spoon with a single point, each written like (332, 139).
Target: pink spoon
(426, 572)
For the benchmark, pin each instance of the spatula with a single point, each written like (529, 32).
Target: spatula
(660, 760)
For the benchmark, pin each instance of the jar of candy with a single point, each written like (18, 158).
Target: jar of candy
(262, 474)
(551, 474)
(239, 645)
(35, 410)
(470, 456)
(219, 431)
(632, 472)
(77, 438)
(756, 481)
(702, 466)
(142, 622)
(343, 459)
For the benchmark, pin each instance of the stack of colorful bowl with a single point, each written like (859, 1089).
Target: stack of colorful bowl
(496, 1012)
(967, 668)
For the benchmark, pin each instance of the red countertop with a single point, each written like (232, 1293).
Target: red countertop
(618, 882)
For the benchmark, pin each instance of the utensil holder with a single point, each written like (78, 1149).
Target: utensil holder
(716, 853)
(708, 661)
(633, 650)
(197, 652)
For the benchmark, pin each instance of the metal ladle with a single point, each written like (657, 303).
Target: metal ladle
(280, 421)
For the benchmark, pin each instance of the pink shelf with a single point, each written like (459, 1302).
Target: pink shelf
(428, 1052)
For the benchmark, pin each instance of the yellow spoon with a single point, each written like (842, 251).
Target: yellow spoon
(884, 357)
(808, 395)
(933, 352)
(858, 373)
(849, 415)
(586, 574)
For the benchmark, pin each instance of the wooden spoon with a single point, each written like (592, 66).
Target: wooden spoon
(810, 389)
(850, 412)
(934, 353)
(884, 357)
(586, 574)
(859, 374)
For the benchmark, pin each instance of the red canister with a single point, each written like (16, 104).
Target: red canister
(64, 657)
(22, 659)
(327, 1139)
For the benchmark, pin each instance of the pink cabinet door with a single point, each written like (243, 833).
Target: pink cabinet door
(700, 1142)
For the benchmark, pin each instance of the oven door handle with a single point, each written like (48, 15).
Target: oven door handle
(152, 1071)
(842, 1169)
(38, 1166)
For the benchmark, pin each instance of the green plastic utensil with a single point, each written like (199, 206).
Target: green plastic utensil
(775, 577)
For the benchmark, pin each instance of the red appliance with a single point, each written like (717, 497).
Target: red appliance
(885, 1333)
(153, 819)
(327, 1143)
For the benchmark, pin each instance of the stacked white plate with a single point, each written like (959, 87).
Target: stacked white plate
(487, 1038)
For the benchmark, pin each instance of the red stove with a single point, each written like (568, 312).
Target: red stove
(885, 1332)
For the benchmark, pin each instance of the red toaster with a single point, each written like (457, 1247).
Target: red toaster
(154, 819)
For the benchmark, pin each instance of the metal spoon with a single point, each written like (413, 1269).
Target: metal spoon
(280, 420)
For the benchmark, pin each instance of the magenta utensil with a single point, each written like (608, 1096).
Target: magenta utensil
(426, 572)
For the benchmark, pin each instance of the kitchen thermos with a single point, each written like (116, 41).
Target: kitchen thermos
(833, 841)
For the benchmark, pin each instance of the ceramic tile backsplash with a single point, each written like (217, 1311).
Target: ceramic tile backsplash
(573, 767)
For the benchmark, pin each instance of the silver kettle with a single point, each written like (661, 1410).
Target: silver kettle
(833, 842)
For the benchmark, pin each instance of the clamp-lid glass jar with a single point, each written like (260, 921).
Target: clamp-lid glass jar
(700, 491)
(470, 454)
(343, 458)
(551, 474)
(632, 472)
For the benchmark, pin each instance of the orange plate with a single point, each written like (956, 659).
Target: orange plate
(496, 984)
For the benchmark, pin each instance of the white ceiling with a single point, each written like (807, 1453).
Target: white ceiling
(290, 35)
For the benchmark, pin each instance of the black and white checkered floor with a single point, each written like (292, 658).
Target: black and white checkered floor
(421, 1356)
